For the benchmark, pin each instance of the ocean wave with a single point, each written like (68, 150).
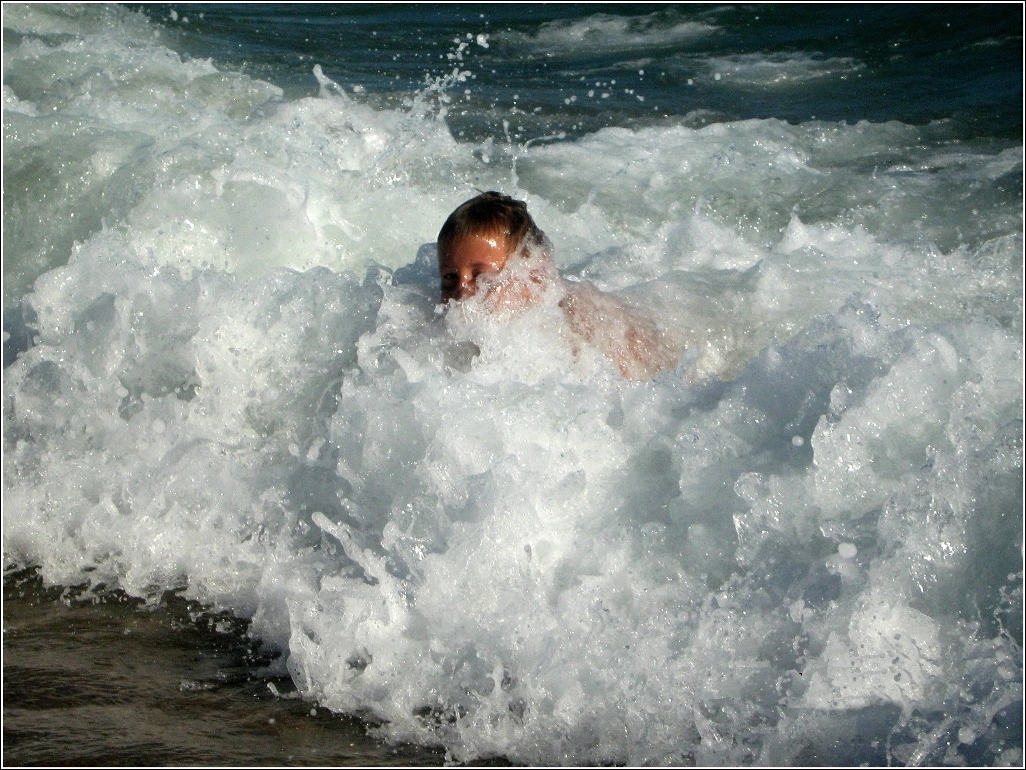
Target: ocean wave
(461, 530)
(779, 70)
(230, 377)
(609, 33)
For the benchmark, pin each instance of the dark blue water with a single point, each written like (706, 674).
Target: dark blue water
(912, 63)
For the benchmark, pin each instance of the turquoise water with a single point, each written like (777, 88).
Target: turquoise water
(272, 479)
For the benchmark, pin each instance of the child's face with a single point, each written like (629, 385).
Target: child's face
(470, 257)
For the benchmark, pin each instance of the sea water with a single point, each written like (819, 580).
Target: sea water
(228, 379)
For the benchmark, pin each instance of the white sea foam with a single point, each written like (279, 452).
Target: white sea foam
(450, 522)
(605, 32)
(776, 70)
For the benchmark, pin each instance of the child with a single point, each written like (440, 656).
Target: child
(491, 244)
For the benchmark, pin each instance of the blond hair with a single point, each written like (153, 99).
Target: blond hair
(490, 214)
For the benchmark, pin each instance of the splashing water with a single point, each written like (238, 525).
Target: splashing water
(802, 546)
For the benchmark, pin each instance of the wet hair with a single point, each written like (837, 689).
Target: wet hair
(490, 213)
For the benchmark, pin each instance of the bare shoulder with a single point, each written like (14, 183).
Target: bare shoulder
(624, 334)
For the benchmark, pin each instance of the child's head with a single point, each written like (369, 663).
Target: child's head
(478, 238)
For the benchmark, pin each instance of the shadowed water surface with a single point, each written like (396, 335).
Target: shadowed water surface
(120, 682)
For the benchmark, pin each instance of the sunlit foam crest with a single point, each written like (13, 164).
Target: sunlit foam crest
(473, 547)
(779, 70)
(606, 32)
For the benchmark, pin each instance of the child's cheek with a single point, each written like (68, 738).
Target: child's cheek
(517, 289)
(510, 294)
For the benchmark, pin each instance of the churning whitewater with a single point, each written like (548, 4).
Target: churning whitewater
(227, 374)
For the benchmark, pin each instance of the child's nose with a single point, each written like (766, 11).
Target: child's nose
(467, 287)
